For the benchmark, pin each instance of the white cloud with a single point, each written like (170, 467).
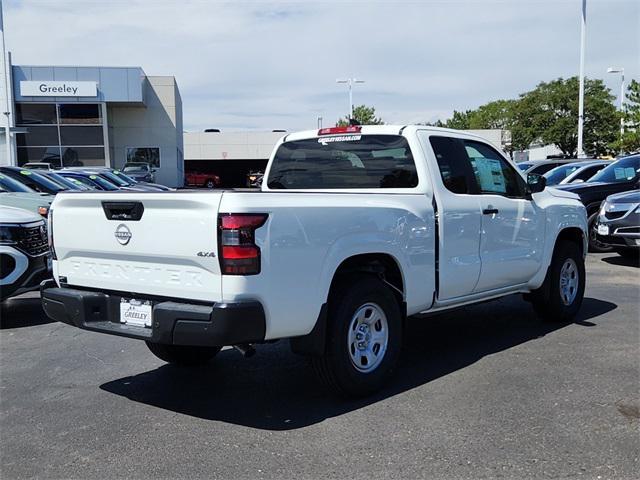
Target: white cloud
(264, 65)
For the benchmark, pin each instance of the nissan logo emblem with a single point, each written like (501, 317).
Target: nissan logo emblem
(123, 234)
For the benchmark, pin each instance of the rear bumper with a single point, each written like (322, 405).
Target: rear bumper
(173, 323)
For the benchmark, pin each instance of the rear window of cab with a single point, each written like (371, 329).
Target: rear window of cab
(344, 162)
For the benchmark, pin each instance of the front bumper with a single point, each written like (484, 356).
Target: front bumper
(622, 232)
(173, 322)
(28, 272)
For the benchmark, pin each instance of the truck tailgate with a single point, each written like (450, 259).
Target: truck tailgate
(170, 251)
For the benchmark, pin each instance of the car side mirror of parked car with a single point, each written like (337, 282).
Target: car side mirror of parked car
(536, 182)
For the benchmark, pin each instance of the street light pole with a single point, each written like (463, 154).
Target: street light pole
(621, 72)
(350, 82)
(583, 27)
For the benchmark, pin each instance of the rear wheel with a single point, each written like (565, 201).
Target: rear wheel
(560, 296)
(595, 245)
(183, 355)
(210, 183)
(364, 337)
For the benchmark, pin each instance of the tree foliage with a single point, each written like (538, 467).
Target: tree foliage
(549, 114)
(364, 115)
(630, 141)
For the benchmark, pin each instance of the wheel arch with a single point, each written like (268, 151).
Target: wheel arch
(382, 265)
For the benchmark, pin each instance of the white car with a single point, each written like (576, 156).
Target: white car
(354, 229)
(24, 251)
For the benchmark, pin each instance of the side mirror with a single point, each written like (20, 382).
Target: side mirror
(536, 182)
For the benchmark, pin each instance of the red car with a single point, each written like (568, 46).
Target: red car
(206, 180)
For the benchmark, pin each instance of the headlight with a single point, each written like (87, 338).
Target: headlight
(603, 209)
(8, 235)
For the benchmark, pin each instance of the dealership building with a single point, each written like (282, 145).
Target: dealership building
(92, 116)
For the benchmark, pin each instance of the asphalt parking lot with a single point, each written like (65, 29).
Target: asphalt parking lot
(488, 391)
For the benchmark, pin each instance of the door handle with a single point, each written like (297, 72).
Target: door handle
(489, 211)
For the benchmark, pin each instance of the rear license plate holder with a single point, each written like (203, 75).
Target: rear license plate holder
(135, 312)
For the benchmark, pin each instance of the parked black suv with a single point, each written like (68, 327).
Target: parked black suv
(619, 223)
(621, 176)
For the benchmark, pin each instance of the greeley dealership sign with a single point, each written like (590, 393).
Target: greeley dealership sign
(58, 89)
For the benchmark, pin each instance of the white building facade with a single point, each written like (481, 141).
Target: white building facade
(93, 116)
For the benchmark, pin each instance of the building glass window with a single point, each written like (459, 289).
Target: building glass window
(82, 156)
(63, 134)
(81, 136)
(150, 155)
(80, 113)
(36, 113)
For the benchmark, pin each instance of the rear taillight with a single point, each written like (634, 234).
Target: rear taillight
(239, 254)
(50, 233)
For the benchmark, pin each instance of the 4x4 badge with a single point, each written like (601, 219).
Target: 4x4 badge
(123, 234)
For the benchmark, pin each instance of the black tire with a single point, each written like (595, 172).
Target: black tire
(183, 355)
(210, 184)
(548, 300)
(594, 245)
(335, 367)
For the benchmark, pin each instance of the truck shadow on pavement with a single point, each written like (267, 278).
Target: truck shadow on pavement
(277, 390)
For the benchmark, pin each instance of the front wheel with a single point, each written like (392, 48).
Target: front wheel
(210, 184)
(183, 355)
(560, 296)
(364, 337)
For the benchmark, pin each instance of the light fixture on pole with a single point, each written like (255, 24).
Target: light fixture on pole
(350, 82)
(621, 72)
(583, 28)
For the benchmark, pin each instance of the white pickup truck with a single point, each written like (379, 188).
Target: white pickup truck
(355, 229)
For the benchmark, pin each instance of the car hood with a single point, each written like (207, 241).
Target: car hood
(579, 187)
(561, 193)
(17, 215)
(625, 197)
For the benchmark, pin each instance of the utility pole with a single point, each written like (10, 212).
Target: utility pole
(350, 82)
(6, 108)
(583, 27)
(621, 72)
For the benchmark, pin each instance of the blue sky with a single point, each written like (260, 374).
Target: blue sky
(262, 65)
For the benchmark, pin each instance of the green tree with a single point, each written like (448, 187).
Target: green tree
(549, 113)
(364, 115)
(630, 141)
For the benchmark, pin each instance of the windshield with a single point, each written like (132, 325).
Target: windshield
(140, 168)
(38, 182)
(556, 175)
(71, 183)
(113, 178)
(624, 170)
(104, 184)
(347, 161)
(8, 184)
(129, 180)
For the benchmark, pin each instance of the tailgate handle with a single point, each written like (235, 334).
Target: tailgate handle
(123, 210)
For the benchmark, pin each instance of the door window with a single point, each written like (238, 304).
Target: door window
(493, 173)
(453, 162)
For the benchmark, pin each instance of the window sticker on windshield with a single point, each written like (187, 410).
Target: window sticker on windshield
(25, 172)
(629, 173)
(1, 177)
(92, 177)
(343, 138)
